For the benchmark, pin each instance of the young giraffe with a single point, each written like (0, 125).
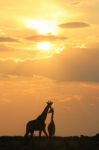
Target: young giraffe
(51, 126)
(39, 123)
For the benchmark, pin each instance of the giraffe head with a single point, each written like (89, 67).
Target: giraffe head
(49, 104)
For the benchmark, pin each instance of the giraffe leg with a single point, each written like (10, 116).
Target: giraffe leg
(45, 132)
(26, 139)
(32, 133)
(26, 134)
(40, 133)
(27, 131)
(31, 138)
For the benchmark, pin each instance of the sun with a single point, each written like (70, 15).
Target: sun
(42, 26)
(44, 46)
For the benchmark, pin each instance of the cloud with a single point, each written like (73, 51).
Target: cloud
(73, 65)
(8, 39)
(74, 25)
(48, 37)
(79, 65)
(5, 48)
(74, 2)
(92, 44)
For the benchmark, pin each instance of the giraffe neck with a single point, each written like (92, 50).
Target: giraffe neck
(43, 115)
(52, 116)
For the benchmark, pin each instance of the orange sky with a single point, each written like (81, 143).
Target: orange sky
(49, 49)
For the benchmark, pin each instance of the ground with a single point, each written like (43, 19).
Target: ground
(56, 143)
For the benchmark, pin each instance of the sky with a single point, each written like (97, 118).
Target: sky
(49, 50)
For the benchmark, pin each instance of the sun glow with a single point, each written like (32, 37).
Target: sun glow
(42, 26)
(44, 46)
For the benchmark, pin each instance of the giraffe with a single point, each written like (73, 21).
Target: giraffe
(51, 126)
(39, 123)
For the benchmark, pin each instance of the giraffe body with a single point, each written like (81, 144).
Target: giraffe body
(39, 123)
(51, 126)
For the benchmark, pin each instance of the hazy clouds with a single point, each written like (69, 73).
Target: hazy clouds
(70, 79)
(74, 25)
(71, 65)
(39, 38)
(8, 39)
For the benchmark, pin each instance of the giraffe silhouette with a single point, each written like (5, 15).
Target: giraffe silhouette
(51, 126)
(39, 123)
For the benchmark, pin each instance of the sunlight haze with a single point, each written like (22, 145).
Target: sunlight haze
(49, 50)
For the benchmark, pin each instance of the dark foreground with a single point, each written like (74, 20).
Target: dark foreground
(56, 143)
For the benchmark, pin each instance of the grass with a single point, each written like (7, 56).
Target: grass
(55, 143)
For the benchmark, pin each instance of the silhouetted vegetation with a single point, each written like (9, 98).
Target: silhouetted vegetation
(55, 143)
